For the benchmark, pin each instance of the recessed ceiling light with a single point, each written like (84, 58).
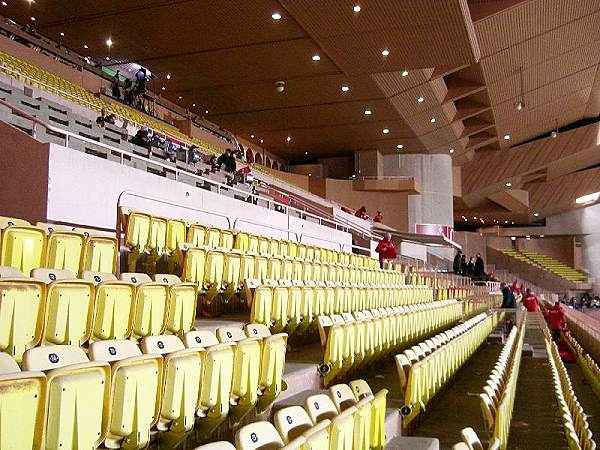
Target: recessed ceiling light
(475, 218)
(506, 137)
(193, 104)
(180, 97)
(400, 146)
(107, 58)
(541, 235)
(386, 130)
(316, 58)
(109, 42)
(385, 52)
(536, 214)
(163, 88)
(513, 238)
(168, 76)
(506, 221)
(554, 134)
(206, 112)
(276, 16)
(508, 184)
(261, 141)
(451, 150)
(252, 136)
(4, 4)
(289, 138)
(62, 34)
(356, 8)
(306, 153)
(432, 120)
(405, 73)
(420, 99)
(345, 88)
(32, 18)
(368, 112)
(512, 223)
(85, 46)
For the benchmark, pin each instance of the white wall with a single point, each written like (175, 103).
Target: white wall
(84, 190)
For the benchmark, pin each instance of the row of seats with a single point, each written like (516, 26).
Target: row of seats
(157, 235)
(53, 307)
(352, 341)
(590, 368)
(481, 303)
(585, 329)
(347, 417)
(555, 266)
(292, 306)
(27, 247)
(576, 427)
(425, 370)
(122, 391)
(498, 395)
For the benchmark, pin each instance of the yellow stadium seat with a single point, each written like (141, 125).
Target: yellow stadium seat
(182, 371)
(181, 306)
(12, 221)
(196, 235)
(23, 247)
(64, 248)
(471, 439)
(176, 233)
(22, 302)
(320, 407)
(22, 406)
(135, 392)
(257, 436)
(342, 396)
(99, 252)
(69, 310)
(213, 237)
(115, 302)
(242, 242)
(217, 375)
(150, 307)
(137, 234)
(231, 274)
(342, 430)
(78, 396)
(220, 445)
(292, 422)
(226, 240)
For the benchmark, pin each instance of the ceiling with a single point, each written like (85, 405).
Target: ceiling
(469, 60)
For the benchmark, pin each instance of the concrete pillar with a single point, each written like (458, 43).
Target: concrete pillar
(370, 163)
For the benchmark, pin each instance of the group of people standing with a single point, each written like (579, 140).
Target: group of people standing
(475, 268)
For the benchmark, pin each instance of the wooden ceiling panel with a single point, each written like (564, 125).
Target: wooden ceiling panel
(393, 83)
(528, 19)
(418, 33)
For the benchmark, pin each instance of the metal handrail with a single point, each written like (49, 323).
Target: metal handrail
(288, 231)
(341, 246)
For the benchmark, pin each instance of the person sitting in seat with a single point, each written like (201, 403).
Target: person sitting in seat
(116, 86)
(508, 298)
(226, 161)
(378, 217)
(142, 138)
(194, 155)
(361, 212)
(531, 302)
(386, 249)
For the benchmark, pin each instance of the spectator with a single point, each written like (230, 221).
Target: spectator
(556, 319)
(470, 267)
(531, 302)
(463, 265)
(378, 217)
(116, 85)
(101, 118)
(456, 264)
(386, 249)
(226, 161)
(508, 298)
(361, 212)
(194, 155)
(111, 119)
(514, 287)
(141, 138)
(479, 269)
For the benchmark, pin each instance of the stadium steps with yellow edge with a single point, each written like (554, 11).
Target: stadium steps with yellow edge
(535, 422)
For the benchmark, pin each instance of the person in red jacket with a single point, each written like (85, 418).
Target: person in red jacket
(378, 217)
(557, 321)
(531, 302)
(386, 249)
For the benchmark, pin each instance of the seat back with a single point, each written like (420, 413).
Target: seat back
(157, 239)
(320, 407)
(217, 375)
(220, 445)
(150, 310)
(181, 307)
(361, 389)
(72, 381)
(246, 373)
(176, 233)
(230, 334)
(12, 221)
(137, 230)
(194, 264)
(258, 435)
(64, 250)
(23, 247)
(471, 439)
(342, 396)
(100, 253)
(292, 422)
(257, 330)
(342, 430)
(200, 339)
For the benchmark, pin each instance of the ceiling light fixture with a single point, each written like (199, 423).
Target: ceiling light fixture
(109, 42)
(163, 88)
(316, 58)
(306, 153)
(399, 146)
(589, 198)
(289, 138)
(356, 8)
(206, 112)
(541, 235)
(4, 4)
(513, 238)
(451, 150)
(193, 104)
(520, 104)
(345, 88)
(506, 137)
(252, 136)
(85, 46)
(385, 130)
(32, 18)
(405, 73)
(385, 52)
(536, 214)
(368, 112)
(107, 58)
(168, 76)
(420, 99)
(261, 141)
(509, 184)
(432, 120)
(62, 34)
(554, 133)
(276, 15)
(180, 97)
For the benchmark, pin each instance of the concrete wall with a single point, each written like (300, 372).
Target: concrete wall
(313, 170)
(471, 243)
(341, 167)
